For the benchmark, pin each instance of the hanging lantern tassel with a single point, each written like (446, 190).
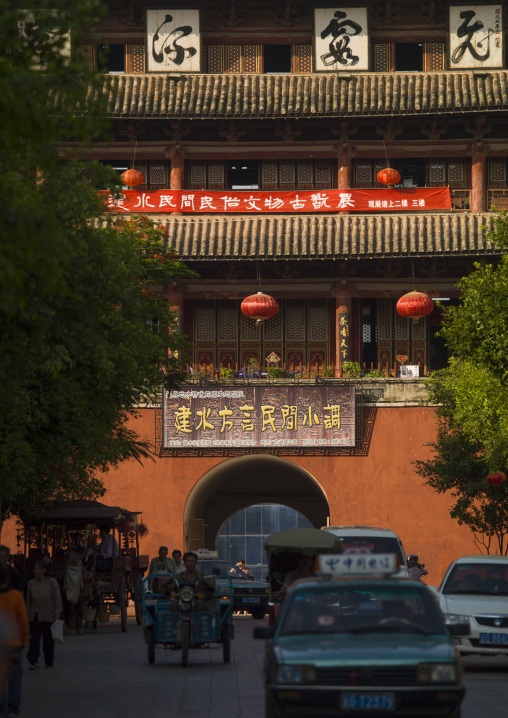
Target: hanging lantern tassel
(259, 307)
(496, 479)
(414, 305)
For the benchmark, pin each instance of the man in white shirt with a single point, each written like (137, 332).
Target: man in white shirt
(108, 545)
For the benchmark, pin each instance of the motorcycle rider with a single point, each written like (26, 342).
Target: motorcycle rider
(198, 579)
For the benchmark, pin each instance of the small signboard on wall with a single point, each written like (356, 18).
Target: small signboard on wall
(173, 40)
(409, 371)
(476, 36)
(341, 39)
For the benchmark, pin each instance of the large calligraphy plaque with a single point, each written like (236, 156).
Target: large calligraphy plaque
(476, 36)
(341, 39)
(259, 416)
(173, 40)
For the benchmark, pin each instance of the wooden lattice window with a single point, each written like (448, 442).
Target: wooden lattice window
(302, 58)
(158, 174)
(198, 174)
(87, 53)
(305, 174)
(269, 174)
(437, 172)
(204, 320)
(323, 174)
(317, 319)
(237, 59)
(228, 320)
(295, 320)
(456, 173)
(497, 172)
(216, 174)
(215, 58)
(363, 173)
(382, 55)
(135, 58)
(434, 56)
(287, 174)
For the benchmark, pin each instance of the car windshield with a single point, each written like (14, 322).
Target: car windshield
(222, 568)
(489, 579)
(376, 544)
(361, 609)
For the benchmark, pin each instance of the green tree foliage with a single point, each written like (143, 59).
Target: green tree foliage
(84, 325)
(471, 395)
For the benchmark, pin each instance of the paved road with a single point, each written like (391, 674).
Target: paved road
(105, 674)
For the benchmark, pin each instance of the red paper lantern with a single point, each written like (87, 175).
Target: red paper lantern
(259, 307)
(132, 178)
(388, 176)
(414, 305)
(496, 479)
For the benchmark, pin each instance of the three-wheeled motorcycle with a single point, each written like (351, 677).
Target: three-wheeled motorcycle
(283, 549)
(173, 621)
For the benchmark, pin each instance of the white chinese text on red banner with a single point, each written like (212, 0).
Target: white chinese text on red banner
(412, 199)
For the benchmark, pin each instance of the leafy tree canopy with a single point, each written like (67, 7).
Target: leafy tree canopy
(84, 323)
(471, 395)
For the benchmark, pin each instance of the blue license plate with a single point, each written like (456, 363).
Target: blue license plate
(496, 638)
(250, 599)
(368, 701)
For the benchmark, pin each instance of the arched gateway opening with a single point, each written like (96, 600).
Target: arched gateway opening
(237, 483)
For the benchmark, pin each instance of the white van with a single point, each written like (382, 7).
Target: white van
(369, 539)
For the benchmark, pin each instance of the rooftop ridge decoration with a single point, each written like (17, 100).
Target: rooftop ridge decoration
(305, 95)
(280, 237)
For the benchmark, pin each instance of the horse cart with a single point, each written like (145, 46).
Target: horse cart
(68, 535)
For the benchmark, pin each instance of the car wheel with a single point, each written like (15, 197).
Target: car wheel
(258, 613)
(456, 713)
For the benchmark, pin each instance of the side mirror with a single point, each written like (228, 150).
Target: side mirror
(264, 632)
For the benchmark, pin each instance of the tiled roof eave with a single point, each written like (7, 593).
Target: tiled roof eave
(317, 236)
(151, 96)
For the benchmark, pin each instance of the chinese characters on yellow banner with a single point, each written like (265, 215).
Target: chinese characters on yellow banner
(268, 416)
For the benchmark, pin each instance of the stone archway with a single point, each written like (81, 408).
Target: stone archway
(237, 483)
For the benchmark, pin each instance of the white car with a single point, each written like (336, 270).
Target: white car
(474, 596)
(370, 539)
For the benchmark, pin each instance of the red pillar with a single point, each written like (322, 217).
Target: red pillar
(479, 179)
(176, 178)
(344, 172)
(342, 325)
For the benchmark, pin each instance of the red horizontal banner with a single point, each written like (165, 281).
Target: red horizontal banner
(305, 202)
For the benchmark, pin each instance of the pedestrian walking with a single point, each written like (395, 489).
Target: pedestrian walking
(44, 606)
(12, 609)
(14, 578)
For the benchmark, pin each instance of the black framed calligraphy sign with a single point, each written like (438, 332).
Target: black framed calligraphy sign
(173, 42)
(476, 36)
(341, 39)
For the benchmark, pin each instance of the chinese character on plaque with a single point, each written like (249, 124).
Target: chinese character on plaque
(476, 36)
(173, 40)
(341, 39)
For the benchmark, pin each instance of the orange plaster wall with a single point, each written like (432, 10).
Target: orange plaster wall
(380, 489)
